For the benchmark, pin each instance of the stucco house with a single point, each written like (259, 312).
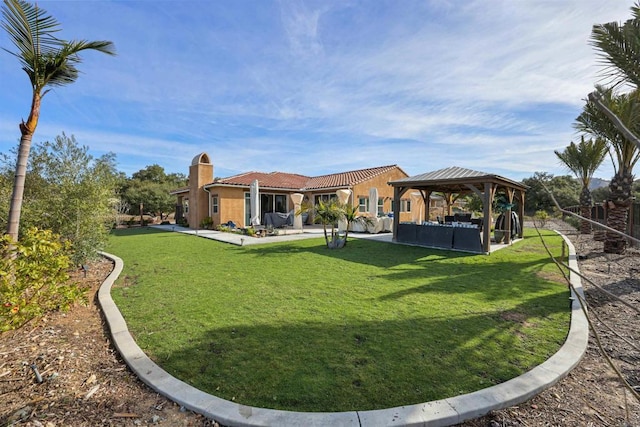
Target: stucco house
(228, 199)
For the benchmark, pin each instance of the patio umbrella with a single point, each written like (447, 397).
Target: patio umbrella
(373, 202)
(343, 197)
(255, 202)
(416, 214)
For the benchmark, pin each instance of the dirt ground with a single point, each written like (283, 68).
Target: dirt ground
(84, 383)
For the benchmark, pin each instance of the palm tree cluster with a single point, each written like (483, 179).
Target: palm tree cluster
(612, 117)
(330, 213)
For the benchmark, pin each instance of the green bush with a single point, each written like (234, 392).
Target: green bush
(541, 217)
(34, 278)
(206, 223)
(572, 221)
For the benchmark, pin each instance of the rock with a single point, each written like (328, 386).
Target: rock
(20, 415)
(91, 379)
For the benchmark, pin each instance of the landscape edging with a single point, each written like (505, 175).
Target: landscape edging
(438, 413)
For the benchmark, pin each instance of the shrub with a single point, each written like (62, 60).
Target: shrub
(206, 223)
(34, 278)
(573, 221)
(541, 217)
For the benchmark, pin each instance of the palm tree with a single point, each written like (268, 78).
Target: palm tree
(624, 154)
(352, 216)
(49, 62)
(329, 213)
(583, 160)
(619, 48)
(619, 51)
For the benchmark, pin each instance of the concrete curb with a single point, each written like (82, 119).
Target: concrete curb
(443, 412)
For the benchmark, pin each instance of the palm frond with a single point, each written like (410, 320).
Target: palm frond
(31, 30)
(619, 49)
(594, 122)
(584, 158)
(47, 60)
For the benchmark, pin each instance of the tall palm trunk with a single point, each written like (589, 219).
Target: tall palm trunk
(585, 210)
(618, 212)
(27, 130)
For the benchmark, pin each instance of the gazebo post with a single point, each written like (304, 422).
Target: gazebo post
(486, 212)
(397, 193)
(449, 199)
(509, 192)
(426, 198)
(521, 214)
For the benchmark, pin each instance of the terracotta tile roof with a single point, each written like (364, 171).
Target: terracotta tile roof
(344, 179)
(297, 182)
(267, 180)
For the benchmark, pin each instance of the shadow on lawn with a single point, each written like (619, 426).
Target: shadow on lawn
(379, 254)
(490, 277)
(359, 365)
(484, 280)
(136, 231)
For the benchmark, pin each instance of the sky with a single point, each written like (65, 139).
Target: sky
(319, 87)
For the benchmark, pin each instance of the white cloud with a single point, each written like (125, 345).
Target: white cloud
(315, 87)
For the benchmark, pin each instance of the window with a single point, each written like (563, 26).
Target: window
(281, 203)
(324, 198)
(363, 204)
(247, 209)
(405, 205)
(214, 204)
(186, 206)
(380, 206)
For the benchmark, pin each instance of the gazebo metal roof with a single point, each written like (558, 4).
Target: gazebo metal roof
(455, 180)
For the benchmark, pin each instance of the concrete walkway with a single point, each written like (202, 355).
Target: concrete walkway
(443, 412)
(285, 235)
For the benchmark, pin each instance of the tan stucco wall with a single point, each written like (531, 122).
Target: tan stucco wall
(385, 191)
(231, 205)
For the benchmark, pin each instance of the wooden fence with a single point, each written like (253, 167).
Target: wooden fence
(599, 214)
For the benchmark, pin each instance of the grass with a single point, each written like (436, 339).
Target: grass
(297, 326)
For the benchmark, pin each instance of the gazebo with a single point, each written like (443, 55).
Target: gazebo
(456, 181)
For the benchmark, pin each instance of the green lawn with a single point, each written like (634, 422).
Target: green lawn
(300, 327)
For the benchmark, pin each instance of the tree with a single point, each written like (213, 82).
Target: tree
(565, 189)
(329, 213)
(151, 186)
(70, 193)
(49, 62)
(583, 160)
(625, 154)
(619, 48)
(351, 214)
(154, 173)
